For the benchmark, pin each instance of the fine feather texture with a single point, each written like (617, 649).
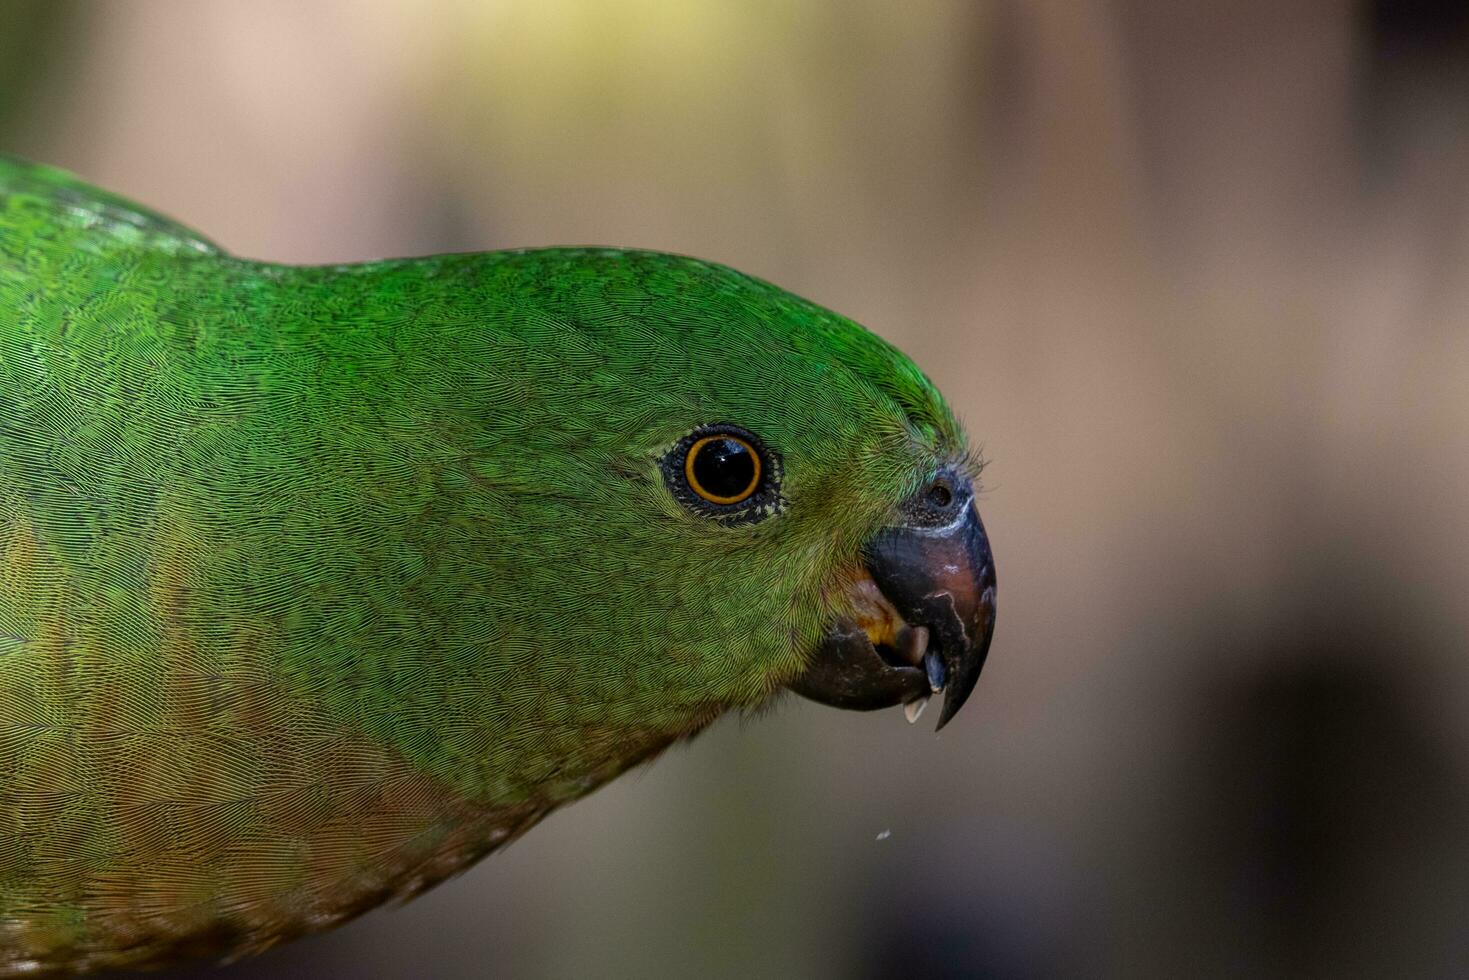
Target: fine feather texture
(317, 584)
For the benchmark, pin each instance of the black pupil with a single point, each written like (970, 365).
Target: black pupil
(724, 467)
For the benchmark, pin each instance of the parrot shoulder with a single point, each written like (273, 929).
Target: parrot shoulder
(38, 201)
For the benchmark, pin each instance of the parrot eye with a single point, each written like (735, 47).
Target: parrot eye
(723, 469)
(725, 472)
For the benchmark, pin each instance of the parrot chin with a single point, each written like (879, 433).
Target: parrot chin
(923, 614)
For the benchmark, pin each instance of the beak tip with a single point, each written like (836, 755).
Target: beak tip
(965, 669)
(951, 708)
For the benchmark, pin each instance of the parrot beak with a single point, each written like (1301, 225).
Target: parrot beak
(924, 612)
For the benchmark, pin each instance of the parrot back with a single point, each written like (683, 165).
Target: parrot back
(43, 203)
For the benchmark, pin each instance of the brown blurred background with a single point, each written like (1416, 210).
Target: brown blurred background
(1194, 274)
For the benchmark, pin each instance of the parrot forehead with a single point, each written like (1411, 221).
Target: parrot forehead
(725, 344)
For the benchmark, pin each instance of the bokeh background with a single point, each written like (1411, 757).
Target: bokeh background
(1195, 274)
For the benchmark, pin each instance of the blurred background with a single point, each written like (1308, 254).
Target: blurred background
(1194, 274)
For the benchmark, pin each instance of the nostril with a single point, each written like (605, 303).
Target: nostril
(940, 496)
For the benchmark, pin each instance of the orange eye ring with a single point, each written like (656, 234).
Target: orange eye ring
(722, 440)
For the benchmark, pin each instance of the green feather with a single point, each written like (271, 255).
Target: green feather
(317, 584)
(60, 205)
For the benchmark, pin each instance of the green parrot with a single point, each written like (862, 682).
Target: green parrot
(318, 584)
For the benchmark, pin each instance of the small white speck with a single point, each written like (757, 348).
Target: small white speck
(884, 835)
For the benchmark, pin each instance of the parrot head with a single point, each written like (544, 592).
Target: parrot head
(768, 496)
(327, 581)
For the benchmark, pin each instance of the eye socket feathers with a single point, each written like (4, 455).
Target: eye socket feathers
(726, 473)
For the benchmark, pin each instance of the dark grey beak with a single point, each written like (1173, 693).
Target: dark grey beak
(930, 627)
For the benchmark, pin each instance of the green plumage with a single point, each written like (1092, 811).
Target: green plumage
(317, 584)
